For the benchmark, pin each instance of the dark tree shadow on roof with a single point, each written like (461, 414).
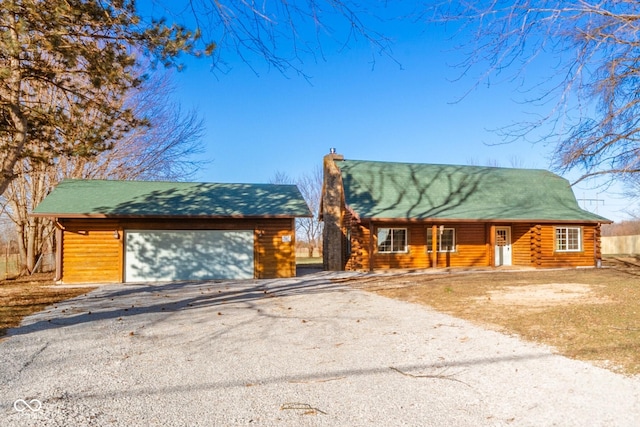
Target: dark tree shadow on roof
(410, 193)
(417, 191)
(207, 200)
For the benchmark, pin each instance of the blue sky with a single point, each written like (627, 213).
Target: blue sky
(407, 109)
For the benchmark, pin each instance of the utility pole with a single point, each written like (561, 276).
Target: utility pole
(597, 201)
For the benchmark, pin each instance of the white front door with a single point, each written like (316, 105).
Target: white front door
(503, 246)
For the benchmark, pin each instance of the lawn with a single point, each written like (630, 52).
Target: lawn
(24, 296)
(586, 314)
(306, 261)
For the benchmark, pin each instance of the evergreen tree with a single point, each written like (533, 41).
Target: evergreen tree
(65, 69)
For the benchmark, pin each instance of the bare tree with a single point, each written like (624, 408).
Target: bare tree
(623, 228)
(280, 177)
(281, 34)
(33, 182)
(514, 162)
(591, 92)
(60, 58)
(165, 149)
(309, 230)
(8, 247)
(310, 185)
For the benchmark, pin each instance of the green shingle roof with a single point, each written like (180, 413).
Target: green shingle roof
(385, 190)
(171, 199)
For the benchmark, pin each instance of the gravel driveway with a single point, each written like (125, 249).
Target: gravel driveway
(303, 351)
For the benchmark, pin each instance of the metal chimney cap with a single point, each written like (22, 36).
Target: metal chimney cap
(332, 151)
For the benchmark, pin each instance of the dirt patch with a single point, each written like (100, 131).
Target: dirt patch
(589, 314)
(545, 295)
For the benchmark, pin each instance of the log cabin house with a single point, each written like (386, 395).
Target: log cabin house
(384, 215)
(141, 231)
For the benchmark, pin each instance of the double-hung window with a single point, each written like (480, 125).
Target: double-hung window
(446, 239)
(392, 240)
(568, 239)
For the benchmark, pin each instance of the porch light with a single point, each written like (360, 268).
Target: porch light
(116, 235)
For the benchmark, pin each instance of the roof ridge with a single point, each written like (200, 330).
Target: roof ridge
(444, 165)
(145, 181)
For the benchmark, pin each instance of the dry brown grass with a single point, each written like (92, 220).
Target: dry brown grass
(586, 314)
(22, 297)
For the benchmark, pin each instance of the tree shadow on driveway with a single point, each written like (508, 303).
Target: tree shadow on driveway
(120, 301)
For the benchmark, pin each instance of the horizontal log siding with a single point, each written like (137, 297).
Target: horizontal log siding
(275, 258)
(471, 248)
(532, 245)
(547, 256)
(521, 245)
(96, 256)
(416, 255)
(90, 253)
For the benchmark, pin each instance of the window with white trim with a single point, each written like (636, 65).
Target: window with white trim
(446, 240)
(568, 239)
(392, 240)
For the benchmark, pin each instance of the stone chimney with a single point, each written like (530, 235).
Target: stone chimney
(332, 199)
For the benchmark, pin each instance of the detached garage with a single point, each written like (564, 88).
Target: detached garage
(143, 231)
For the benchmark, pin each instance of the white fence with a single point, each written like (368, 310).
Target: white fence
(612, 245)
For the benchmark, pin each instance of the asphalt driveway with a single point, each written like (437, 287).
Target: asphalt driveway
(303, 351)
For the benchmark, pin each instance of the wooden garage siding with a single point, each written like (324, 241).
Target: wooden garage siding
(275, 257)
(90, 253)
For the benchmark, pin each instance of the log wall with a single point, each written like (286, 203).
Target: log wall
(545, 255)
(91, 253)
(533, 245)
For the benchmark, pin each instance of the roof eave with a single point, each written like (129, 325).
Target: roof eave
(490, 220)
(59, 215)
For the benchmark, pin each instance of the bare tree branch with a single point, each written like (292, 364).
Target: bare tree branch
(309, 230)
(282, 34)
(592, 89)
(165, 149)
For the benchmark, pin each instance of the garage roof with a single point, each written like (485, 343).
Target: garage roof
(389, 190)
(105, 198)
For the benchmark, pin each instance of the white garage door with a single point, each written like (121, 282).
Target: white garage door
(164, 255)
